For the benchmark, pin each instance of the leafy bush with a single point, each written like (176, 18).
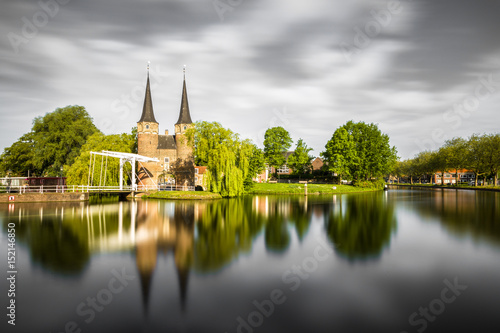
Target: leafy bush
(373, 184)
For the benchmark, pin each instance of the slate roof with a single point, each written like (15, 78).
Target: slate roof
(147, 110)
(184, 115)
(287, 154)
(166, 142)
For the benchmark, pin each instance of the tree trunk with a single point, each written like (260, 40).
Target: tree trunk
(411, 180)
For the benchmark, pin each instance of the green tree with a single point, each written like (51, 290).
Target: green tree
(441, 161)
(277, 141)
(106, 170)
(361, 151)
(250, 160)
(475, 157)
(55, 140)
(456, 149)
(300, 160)
(19, 157)
(340, 155)
(492, 155)
(226, 157)
(376, 157)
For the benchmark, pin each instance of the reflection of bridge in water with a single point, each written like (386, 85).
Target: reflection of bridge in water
(149, 230)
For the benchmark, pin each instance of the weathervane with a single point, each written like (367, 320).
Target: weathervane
(148, 65)
(184, 70)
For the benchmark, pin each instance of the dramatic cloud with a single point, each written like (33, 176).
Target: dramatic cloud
(424, 70)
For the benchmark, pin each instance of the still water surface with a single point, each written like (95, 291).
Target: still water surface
(394, 261)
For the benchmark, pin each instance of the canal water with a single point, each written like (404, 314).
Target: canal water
(394, 261)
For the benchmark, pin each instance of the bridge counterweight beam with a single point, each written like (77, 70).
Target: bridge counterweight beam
(122, 162)
(133, 174)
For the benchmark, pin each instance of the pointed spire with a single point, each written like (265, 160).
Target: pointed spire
(147, 110)
(184, 115)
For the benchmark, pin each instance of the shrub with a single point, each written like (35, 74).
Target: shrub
(373, 184)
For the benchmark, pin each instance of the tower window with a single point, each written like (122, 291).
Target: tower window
(166, 163)
(147, 126)
(185, 127)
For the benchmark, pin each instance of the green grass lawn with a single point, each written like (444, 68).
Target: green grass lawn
(451, 186)
(181, 195)
(284, 188)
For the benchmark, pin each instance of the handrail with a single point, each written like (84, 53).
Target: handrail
(86, 188)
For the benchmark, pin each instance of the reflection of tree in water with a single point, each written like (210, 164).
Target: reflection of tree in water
(225, 229)
(475, 213)
(52, 242)
(360, 225)
(284, 212)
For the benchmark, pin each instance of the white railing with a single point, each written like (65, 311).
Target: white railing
(85, 188)
(145, 188)
(35, 189)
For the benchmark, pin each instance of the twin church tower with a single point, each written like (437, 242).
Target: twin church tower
(176, 162)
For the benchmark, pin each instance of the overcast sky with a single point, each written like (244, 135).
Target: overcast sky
(423, 70)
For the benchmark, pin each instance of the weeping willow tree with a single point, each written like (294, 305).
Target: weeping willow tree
(106, 170)
(228, 159)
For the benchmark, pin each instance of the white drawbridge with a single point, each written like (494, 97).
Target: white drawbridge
(124, 158)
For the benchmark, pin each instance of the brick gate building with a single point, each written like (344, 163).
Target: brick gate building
(176, 162)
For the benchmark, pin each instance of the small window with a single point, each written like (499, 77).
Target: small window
(196, 170)
(196, 179)
(147, 126)
(166, 163)
(284, 169)
(185, 127)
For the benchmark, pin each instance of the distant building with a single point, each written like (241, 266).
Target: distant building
(176, 162)
(199, 174)
(284, 169)
(458, 176)
(317, 164)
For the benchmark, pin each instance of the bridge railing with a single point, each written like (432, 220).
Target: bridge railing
(85, 188)
(36, 189)
(164, 187)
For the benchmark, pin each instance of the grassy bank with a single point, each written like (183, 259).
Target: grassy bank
(284, 188)
(454, 187)
(181, 195)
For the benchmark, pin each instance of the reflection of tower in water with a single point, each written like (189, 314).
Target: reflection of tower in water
(160, 231)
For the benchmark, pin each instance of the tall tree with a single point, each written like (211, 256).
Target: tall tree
(55, 140)
(376, 156)
(340, 154)
(277, 141)
(475, 157)
(250, 160)
(226, 157)
(456, 155)
(442, 161)
(300, 160)
(18, 158)
(492, 155)
(362, 149)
